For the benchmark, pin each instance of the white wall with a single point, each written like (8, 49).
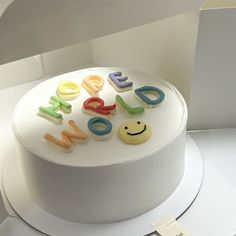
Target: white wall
(213, 4)
(67, 59)
(47, 64)
(21, 71)
(213, 96)
(31, 27)
(4, 4)
(165, 48)
(3, 212)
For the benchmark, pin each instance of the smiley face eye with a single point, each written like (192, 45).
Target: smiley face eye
(126, 127)
(138, 122)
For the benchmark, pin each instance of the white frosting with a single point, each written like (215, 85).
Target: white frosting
(166, 120)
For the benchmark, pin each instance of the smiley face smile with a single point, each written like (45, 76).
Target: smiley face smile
(134, 132)
(145, 127)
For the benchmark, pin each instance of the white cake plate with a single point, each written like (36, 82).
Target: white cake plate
(20, 200)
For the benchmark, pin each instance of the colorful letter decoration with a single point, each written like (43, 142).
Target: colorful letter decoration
(93, 84)
(68, 90)
(51, 111)
(95, 105)
(142, 92)
(68, 137)
(127, 108)
(100, 128)
(120, 82)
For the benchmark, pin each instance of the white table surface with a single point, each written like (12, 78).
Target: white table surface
(213, 213)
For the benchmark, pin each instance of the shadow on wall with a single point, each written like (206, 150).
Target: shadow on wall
(3, 212)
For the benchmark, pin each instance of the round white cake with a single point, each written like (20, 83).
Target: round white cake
(101, 181)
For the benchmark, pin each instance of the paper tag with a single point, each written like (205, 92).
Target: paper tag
(170, 227)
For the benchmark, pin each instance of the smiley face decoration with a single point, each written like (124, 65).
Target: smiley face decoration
(134, 132)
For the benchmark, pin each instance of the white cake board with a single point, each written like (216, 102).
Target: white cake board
(19, 198)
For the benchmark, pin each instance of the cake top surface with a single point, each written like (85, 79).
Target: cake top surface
(166, 120)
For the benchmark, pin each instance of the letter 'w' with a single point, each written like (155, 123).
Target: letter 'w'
(68, 137)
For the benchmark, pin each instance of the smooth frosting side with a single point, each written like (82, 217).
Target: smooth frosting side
(167, 120)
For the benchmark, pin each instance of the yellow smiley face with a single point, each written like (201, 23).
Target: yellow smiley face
(134, 132)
